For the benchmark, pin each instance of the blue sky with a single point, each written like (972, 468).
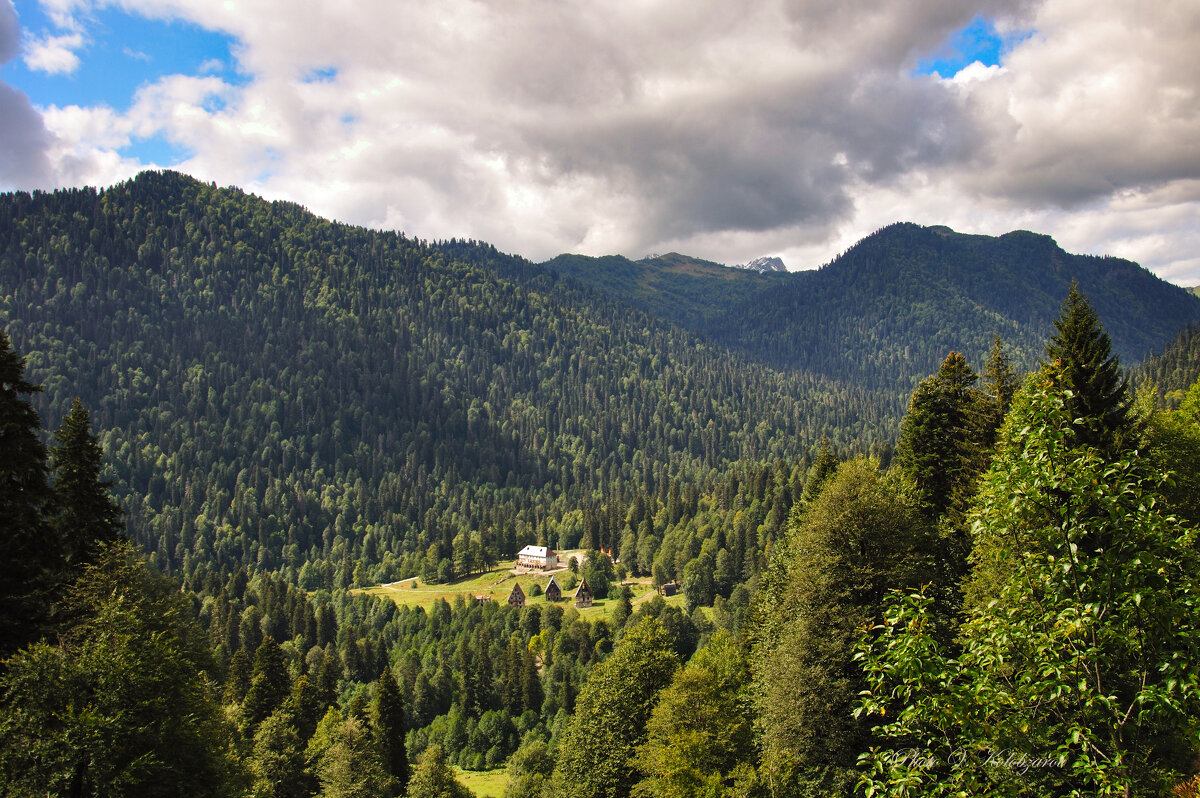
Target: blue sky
(122, 52)
(978, 41)
(785, 127)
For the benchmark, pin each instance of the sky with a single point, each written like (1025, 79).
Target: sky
(722, 130)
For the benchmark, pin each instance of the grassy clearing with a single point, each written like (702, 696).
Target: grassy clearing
(484, 783)
(498, 583)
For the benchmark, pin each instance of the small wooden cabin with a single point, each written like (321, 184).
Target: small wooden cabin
(583, 594)
(517, 597)
(553, 591)
(482, 599)
(669, 589)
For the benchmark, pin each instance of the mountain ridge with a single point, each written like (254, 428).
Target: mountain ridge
(888, 309)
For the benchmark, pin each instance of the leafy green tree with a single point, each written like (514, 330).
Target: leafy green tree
(595, 755)
(856, 540)
(31, 553)
(276, 762)
(701, 730)
(83, 513)
(1082, 353)
(599, 573)
(351, 765)
(1170, 439)
(387, 723)
(529, 770)
(434, 779)
(1076, 660)
(120, 705)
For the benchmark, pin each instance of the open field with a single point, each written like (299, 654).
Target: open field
(483, 783)
(498, 583)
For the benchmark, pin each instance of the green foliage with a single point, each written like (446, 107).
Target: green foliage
(942, 436)
(350, 766)
(31, 553)
(1171, 441)
(387, 724)
(83, 514)
(700, 731)
(855, 541)
(595, 756)
(1077, 658)
(1095, 392)
(343, 407)
(529, 770)
(434, 779)
(120, 705)
(1000, 386)
(276, 763)
(270, 685)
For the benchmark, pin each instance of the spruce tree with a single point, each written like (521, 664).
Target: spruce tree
(1098, 403)
(940, 445)
(387, 718)
(269, 683)
(84, 514)
(30, 552)
(1000, 384)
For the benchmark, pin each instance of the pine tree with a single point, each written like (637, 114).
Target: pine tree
(30, 552)
(387, 718)
(84, 514)
(1099, 398)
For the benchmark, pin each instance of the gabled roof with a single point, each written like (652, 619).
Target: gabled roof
(534, 551)
(517, 591)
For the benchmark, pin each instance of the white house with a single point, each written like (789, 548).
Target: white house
(537, 557)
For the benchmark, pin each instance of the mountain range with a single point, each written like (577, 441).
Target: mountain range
(276, 389)
(884, 313)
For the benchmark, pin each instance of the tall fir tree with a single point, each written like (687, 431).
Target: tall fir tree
(83, 513)
(30, 552)
(1099, 398)
(1000, 384)
(387, 723)
(270, 685)
(941, 439)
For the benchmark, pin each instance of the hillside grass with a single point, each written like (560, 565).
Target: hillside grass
(497, 583)
(483, 783)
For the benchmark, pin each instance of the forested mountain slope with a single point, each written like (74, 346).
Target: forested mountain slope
(885, 313)
(277, 390)
(685, 291)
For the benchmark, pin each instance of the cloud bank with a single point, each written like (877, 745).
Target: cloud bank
(789, 128)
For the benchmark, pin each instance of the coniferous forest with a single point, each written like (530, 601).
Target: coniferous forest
(223, 419)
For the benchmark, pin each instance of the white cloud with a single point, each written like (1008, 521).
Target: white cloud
(54, 55)
(719, 129)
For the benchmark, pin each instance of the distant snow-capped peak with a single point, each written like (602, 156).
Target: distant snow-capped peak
(765, 265)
